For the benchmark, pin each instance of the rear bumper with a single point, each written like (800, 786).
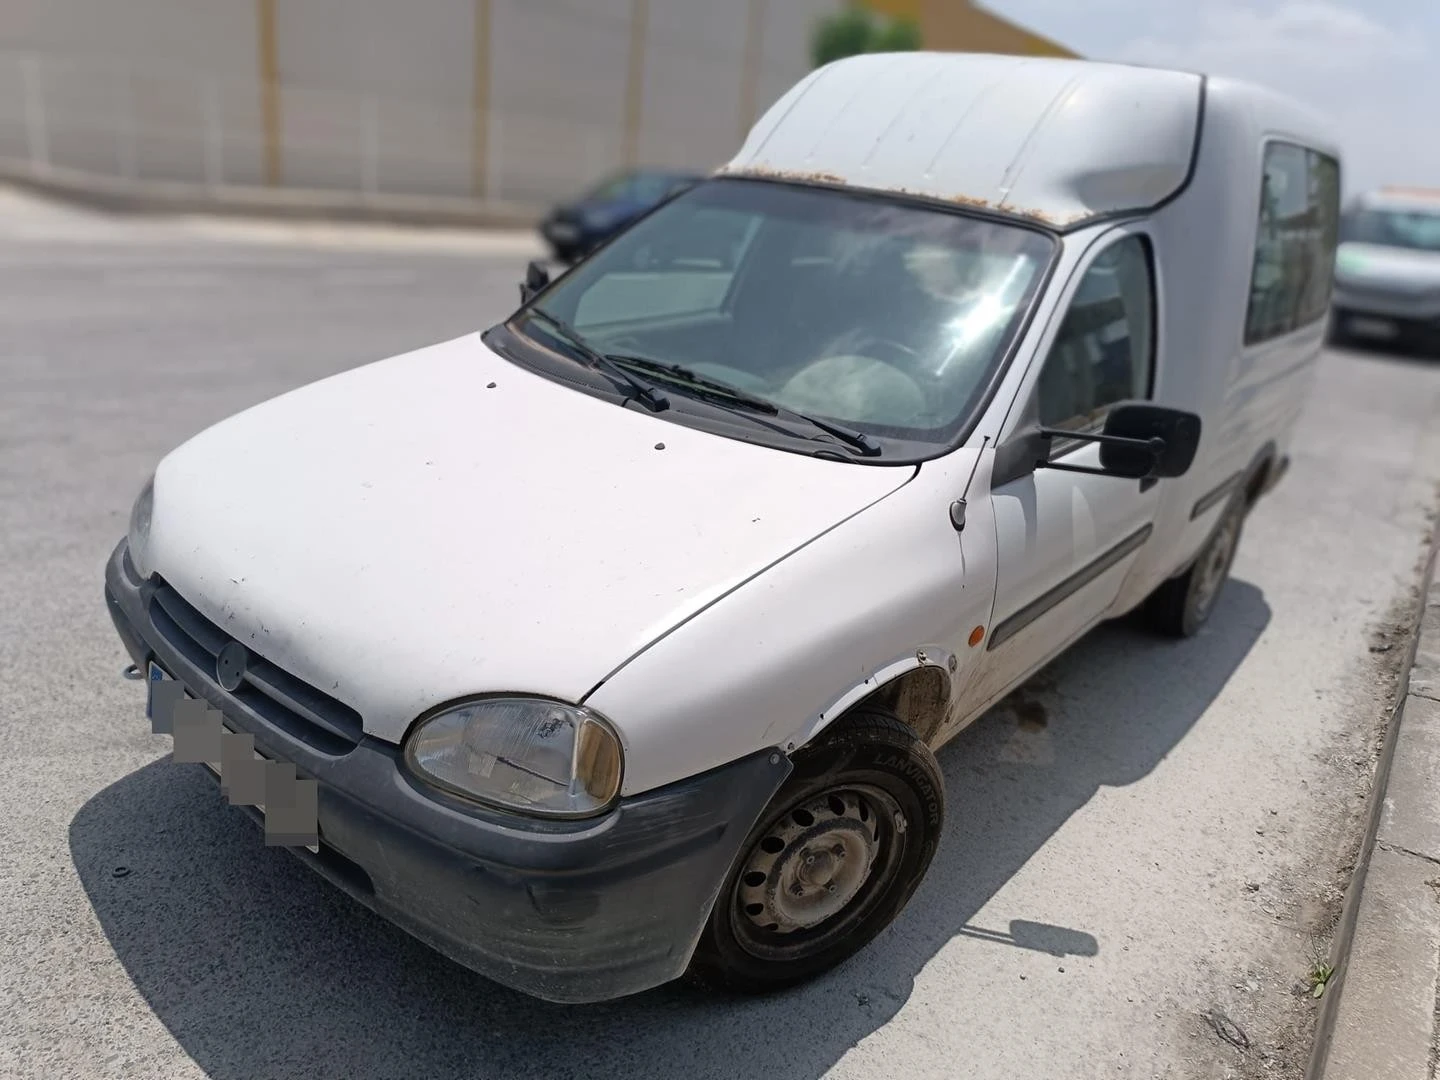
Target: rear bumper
(568, 912)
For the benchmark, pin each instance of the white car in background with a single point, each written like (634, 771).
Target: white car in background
(1387, 270)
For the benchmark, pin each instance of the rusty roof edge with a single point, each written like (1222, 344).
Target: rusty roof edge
(973, 202)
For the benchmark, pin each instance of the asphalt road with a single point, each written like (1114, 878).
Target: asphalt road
(1150, 836)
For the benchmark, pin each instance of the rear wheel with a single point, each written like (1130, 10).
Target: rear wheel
(1337, 334)
(832, 861)
(1182, 605)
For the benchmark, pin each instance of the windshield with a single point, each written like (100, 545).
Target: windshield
(1418, 230)
(885, 317)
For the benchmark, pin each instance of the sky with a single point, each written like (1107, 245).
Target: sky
(1371, 67)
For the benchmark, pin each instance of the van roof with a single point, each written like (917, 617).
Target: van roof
(1058, 141)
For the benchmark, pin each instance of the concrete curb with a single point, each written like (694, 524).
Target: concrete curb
(178, 197)
(1377, 1019)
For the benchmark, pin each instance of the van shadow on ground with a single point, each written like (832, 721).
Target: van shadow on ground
(260, 969)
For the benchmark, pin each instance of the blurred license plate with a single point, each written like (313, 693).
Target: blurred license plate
(564, 232)
(1376, 328)
(155, 674)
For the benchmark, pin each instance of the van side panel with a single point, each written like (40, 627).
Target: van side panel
(1249, 398)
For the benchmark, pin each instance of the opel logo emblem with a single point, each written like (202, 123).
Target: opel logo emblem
(230, 666)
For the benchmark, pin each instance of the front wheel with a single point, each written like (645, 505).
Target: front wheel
(1337, 336)
(832, 861)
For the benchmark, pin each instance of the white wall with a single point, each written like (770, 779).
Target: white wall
(125, 85)
(381, 93)
(405, 70)
(558, 77)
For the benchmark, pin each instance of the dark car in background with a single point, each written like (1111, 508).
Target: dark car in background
(575, 228)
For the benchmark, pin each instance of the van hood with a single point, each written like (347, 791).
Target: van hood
(445, 523)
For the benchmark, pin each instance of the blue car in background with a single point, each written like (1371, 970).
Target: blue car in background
(574, 229)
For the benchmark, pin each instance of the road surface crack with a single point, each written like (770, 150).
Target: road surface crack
(1397, 849)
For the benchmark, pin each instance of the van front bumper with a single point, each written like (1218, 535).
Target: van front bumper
(570, 912)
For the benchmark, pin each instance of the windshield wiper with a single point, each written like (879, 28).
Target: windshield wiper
(866, 444)
(653, 397)
(685, 376)
(617, 363)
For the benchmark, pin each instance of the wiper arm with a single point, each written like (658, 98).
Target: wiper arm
(652, 396)
(682, 374)
(866, 444)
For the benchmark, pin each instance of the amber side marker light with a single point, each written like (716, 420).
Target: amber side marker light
(976, 636)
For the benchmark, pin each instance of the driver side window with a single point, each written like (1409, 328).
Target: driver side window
(1104, 351)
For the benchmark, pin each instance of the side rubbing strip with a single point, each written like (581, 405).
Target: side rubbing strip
(1207, 502)
(1073, 584)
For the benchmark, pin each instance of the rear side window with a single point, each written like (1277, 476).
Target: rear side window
(1295, 243)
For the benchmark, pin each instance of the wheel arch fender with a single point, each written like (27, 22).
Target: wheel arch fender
(1259, 473)
(917, 686)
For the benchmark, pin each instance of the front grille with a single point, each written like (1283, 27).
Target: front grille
(295, 707)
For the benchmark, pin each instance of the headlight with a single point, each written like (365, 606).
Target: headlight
(539, 757)
(138, 538)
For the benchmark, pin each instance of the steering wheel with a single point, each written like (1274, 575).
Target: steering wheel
(908, 362)
(892, 350)
(900, 356)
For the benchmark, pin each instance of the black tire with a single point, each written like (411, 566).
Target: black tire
(1182, 605)
(869, 762)
(1336, 336)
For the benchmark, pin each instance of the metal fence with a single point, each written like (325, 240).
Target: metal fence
(149, 122)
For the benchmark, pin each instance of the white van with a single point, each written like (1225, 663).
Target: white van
(616, 641)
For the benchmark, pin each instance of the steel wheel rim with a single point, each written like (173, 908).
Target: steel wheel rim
(816, 871)
(1216, 565)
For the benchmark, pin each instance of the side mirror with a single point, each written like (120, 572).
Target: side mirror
(1146, 441)
(536, 278)
(1140, 441)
